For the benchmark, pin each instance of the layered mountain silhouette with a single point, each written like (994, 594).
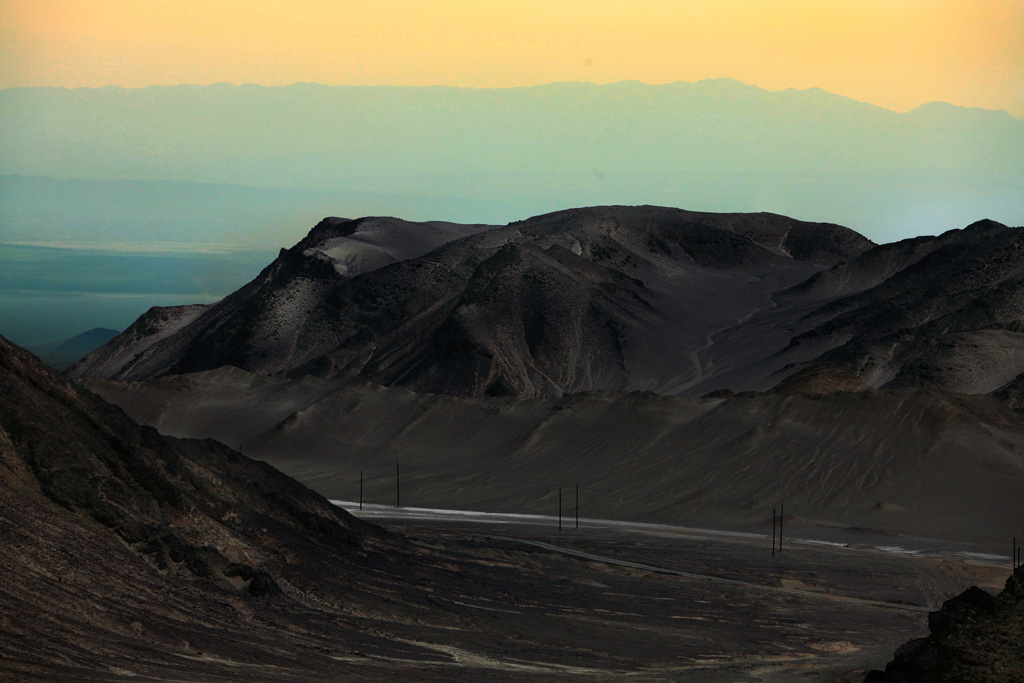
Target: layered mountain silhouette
(606, 298)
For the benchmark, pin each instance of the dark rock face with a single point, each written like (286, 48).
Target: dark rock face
(944, 311)
(974, 637)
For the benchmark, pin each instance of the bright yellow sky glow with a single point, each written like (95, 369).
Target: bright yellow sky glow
(893, 53)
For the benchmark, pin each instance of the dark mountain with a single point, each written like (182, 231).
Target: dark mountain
(606, 298)
(609, 298)
(944, 311)
(64, 353)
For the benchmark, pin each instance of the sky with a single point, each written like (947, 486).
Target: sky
(896, 54)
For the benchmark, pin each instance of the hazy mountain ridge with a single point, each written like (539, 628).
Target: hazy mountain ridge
(496, 155)
(65, 353)
(749, 125)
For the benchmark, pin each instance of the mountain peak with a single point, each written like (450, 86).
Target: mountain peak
(986, 224)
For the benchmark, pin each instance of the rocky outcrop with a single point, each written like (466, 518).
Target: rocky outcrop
(974, 637)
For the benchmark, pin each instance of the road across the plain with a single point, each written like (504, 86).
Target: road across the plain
(413, 514)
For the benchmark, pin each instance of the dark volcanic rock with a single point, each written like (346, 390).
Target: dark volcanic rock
(944, 311)
(974, 637)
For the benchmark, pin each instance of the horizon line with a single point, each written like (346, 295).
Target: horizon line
(630, 81)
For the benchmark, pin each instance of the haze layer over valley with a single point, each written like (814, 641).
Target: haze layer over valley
(239, 160)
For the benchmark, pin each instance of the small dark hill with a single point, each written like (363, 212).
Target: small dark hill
(63, 354)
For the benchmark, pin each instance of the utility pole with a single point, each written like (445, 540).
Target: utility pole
(398, 488)
(360, 489)
(577, 505)
(773, 532)
(782, 513)
(559, 509)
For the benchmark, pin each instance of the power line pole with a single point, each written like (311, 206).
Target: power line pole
(782, 513)
(773, 532)
(559, 509)
(398, 488)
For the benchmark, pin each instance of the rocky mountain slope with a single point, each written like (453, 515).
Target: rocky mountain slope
(607, 298)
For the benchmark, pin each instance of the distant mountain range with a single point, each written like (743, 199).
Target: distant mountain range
(500, 155)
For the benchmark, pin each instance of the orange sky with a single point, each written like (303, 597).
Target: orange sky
(894, 53)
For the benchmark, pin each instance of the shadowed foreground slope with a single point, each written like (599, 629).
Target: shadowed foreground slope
(128, 555)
